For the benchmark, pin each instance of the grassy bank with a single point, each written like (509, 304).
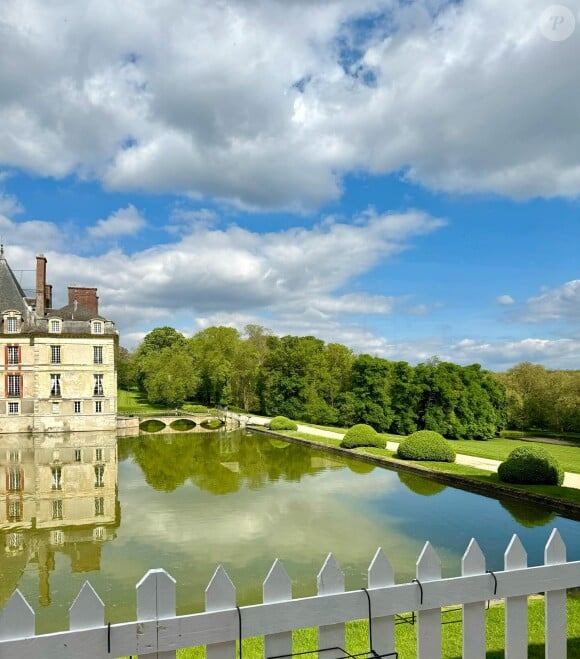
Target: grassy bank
(487, 479)
(405, 636)
(495, 449)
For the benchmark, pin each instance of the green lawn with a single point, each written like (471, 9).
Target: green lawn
(134, 402)
(305, 640)
(499, 449)
(495, 449)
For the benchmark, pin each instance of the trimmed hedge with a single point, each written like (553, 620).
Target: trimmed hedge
(362, 435)
(426, 445)
(282, 423)
(531, 466)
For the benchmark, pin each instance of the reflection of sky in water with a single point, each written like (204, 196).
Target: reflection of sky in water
(318, 506)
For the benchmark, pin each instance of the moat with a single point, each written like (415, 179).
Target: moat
(93, 507)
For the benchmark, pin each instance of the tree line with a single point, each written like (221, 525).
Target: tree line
(304, 378)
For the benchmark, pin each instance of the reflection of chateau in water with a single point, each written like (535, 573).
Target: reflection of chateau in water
(58, 494)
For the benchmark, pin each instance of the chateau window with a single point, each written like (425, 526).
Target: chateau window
(97, 354)
(11, 324)
(99, 454)
(55, 326)
(55, 389)
(99, 506)
(98, 384)
(13, 355)
(15, 479)
(77, 455)
(14, 385)
(98, 406)
(14, 456)
(57, 509)
(100, 476)
(56, 478)
(55, 354)
(98, 533)
(97, 327)
(15, 511)
(77, 406)
(13, 408)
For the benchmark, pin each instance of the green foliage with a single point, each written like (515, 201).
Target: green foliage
(426, 445)
(194, 409)
(151, 425)
(542, 399)
(531, 465)
(512, 434)
(182, 425)
(302, 378)
(362, 435)
(283, 423)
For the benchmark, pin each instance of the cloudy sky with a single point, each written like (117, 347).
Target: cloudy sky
(401, 176)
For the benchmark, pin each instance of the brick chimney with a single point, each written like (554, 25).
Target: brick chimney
(40, 285)
(48, 296)
(85, 296)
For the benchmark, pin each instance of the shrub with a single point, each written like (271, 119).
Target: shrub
(362, 435)
(194, 409)
(511, 434)
(426, 445)
(531, 466)
(282, 423)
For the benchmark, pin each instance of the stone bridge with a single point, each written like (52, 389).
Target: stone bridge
(183, 422)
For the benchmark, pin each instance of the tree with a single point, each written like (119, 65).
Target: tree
(169, 377)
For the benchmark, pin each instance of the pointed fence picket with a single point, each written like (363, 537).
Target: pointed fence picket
(158, 632)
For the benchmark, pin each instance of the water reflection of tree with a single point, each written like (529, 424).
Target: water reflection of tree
(528, 514)
(217, 463)
(420, 485)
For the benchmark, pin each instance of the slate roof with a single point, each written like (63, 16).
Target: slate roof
(11, 294)
(74, 311)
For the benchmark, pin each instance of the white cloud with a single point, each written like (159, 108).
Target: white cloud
(505, 300)
(122, 222)
(269, 103)
(555, 304)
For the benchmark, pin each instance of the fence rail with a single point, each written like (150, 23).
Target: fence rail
(158, 632)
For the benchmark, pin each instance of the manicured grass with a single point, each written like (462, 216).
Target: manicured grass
(495, 449)
(134, 402)
(562, 493)
(357, 640)
(499, 449)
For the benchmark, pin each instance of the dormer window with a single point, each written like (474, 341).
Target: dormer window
(55, 325)
(97, 327)
(12, 323)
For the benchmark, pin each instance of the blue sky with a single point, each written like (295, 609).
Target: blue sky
(401, 177)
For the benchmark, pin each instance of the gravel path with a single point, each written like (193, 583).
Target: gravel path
(570, 479)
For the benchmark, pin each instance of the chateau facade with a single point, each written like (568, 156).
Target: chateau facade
(59, 364)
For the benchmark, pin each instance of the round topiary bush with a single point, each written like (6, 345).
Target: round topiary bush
(282, 423)
(426, 445)
(531, 465)
(362, 435)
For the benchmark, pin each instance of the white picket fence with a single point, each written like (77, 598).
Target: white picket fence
(158, 632)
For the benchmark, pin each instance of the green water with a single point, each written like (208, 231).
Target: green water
(188, 502)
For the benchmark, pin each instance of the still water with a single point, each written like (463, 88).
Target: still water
(94, 507)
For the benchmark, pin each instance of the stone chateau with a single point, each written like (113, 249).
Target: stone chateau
(59, 364)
